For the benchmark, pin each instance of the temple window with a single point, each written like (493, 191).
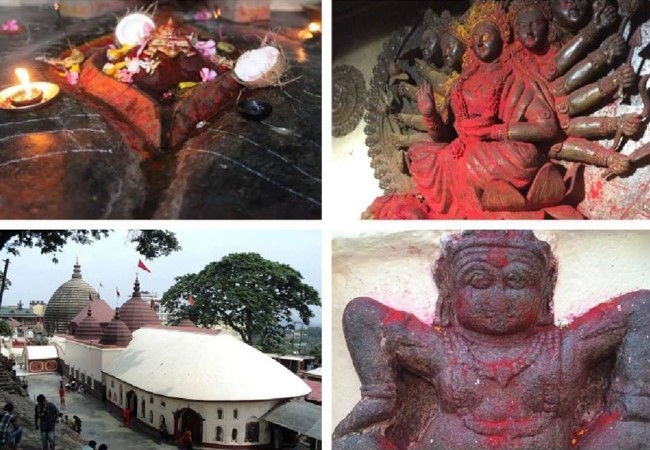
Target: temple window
(219, 436)
(234, 414)
(234, 435)
(219, 413)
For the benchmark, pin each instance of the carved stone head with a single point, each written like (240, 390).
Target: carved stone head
(495, 282)
(430, 44)
(486, 41)
(571, 14)
(489, 29)
(530, 22)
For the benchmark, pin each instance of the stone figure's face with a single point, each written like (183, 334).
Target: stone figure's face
(497, 290)
(430, 46)
(571, 14)
(531, 28)
(486, 41)
(452, 51)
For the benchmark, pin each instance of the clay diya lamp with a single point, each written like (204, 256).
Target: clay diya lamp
(27, 96)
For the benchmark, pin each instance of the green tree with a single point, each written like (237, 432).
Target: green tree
(149, 243)
(317, 351)
(254, 296)
(5, 329)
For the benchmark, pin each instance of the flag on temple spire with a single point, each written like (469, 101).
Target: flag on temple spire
(117, 291)
(190, 299)
(142, 266)
(90, 296)
(101, 285)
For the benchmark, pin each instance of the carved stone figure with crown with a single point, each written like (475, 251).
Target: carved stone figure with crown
(493, 371)
(505, 126)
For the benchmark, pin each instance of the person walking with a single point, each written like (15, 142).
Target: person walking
(126, 416)
(10, 438)
(103, 447)
(45, 415)
(162, 431)
(92, 445)
(186, 441)
(62, 397)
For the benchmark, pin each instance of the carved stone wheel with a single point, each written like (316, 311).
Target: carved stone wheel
(387, 160)
(348, 99)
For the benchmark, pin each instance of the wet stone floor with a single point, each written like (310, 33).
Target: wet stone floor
(70, 159)
(97, 423)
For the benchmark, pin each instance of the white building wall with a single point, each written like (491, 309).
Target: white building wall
(89, 360)
(156, 406)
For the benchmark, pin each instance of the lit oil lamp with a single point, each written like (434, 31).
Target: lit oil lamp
(313, 31)
(28, 95)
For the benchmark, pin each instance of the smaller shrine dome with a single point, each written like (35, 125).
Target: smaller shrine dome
(137, 313)
(89, 328)
(101, 311)
(116, 332)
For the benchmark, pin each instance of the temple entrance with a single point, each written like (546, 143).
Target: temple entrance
(132, 403)
(188, 419)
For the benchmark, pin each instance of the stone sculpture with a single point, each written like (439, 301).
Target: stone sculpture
(503, 126)
(493, 371)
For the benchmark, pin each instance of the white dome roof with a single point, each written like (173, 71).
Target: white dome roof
(196, 365)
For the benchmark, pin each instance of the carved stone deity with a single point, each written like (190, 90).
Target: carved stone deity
(493, 371)
(505, 126)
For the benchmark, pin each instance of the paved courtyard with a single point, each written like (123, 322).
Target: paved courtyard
(97, 423)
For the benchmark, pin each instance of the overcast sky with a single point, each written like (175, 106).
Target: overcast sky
(113, 262)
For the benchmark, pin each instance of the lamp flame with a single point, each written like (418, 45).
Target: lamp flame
(314, 27)
(217, 13)
(23, 76)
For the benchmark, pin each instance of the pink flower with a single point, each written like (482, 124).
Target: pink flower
(208, 74)
(72, 76)
(125, 76)
(148, 29)
(204, 15)
(144, 39)
(10, 25)
(206, 48)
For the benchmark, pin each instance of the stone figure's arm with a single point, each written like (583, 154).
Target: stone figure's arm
(589, 97)
(364, 334)
(431, 116)
(375, 335)
(625, 423)
(438, 80)
(528, 116)
(582, 150)
(578, 47)
(599, 127)
(600, 331)
(588, 69)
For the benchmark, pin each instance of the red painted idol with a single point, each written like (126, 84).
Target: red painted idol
(493, 371)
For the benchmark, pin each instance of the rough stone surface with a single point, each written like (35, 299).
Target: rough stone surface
(76, 159)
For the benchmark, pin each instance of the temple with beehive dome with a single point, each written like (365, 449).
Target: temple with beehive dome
(67, 301)
(195, 379)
